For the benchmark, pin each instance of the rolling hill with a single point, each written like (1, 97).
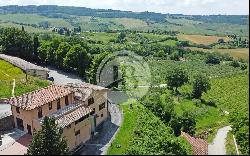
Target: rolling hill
(43, 18)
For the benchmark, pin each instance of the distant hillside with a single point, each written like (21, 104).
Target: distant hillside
(43, 19)
(63, 12)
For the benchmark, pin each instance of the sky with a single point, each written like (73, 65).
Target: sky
(188, 7)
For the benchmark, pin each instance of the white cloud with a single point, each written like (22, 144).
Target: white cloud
(163, 6)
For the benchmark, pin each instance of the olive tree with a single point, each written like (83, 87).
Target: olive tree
(201, 84)
(176, 78)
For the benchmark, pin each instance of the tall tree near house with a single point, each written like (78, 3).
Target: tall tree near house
(48, 140)
(17, 43)
(61, 53)
(77, 60)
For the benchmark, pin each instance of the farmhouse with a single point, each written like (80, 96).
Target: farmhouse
(26, 66)
(77, 108)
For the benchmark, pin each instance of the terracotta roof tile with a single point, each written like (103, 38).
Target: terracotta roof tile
(199, 146)
(86, 89)
(40, 97)
(73, 116)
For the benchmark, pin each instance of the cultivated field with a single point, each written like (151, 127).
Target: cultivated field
(200, 39)
(236, 53)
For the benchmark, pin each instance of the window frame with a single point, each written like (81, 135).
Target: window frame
(66, 100)
(58, 104)
(91, 101)
(78, 132)
(102, 106)
(40, 112)
(18, 110)
(50, 106)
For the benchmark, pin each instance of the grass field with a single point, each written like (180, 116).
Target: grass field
(236, 53)
(100, 36)
(9, 72)
(230, 147)
(125, 133)
(30, 29)
(34, 19)
(200, 39)
(130, 23)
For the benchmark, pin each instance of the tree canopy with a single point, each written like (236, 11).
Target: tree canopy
(48, 140)
(201, 84)
(16, 42)
(176, 78)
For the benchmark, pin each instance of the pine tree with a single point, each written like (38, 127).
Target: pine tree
(48, 140)
(36, 45)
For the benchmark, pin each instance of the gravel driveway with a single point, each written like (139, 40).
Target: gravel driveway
(99, 144)
(218, 147)
(61, 77)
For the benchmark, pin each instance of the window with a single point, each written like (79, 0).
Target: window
(58, 104)
(93, 111)
(90, 101)
(66, 100)
(77, 132)
(50, 105)
(101, 115)
(17, 110)
(69, 126)
(81, 119)
(40, 112)
(102, 106)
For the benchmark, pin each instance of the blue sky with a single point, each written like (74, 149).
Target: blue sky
(194, 7)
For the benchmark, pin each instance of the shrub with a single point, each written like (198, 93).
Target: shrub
(212, 59)
(243, 66)
(211, 103)
(235, 64)
(185, 123)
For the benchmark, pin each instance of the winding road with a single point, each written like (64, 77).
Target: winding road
(218, 147)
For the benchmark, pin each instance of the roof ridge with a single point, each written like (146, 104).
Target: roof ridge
(40, 96)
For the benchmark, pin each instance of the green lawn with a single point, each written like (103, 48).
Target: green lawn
(9, 72)
(125, 133)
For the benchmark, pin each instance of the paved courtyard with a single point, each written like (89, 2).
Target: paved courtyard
(14, 142)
